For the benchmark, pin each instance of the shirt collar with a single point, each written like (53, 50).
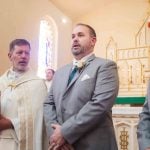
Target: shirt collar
(80, 63)
(13, 75)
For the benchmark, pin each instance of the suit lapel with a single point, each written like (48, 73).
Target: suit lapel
(67, 87)
(73, 80)
(66, 76)
(88, 61)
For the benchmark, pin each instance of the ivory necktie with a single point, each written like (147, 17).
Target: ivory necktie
(72, 74)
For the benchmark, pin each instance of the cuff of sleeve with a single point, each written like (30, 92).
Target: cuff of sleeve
(66, 136)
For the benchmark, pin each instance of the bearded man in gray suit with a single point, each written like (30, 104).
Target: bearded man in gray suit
(77, 111)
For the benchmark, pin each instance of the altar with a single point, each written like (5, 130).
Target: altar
(134, 73)
(125, 121)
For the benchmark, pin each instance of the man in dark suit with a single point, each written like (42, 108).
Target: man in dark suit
(77, 111)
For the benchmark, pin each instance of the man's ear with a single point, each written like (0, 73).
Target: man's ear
(9, 55)
(93, 40)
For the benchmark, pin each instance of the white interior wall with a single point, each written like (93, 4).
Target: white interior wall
(120, 19)
(21, 19)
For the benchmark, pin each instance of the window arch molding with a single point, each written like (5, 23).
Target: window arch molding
(47, 52)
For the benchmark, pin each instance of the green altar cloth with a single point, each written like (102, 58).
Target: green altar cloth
(130, 100)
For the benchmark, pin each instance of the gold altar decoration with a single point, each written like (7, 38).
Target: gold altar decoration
(133, 63)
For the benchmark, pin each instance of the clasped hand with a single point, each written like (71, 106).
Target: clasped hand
(57, 141)
(5, 123)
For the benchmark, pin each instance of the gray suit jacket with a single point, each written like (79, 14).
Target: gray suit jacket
(143, 129)
(83, 108)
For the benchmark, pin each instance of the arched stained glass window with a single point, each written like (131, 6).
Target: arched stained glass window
(47, 46)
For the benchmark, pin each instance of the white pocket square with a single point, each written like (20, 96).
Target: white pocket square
(85, 77)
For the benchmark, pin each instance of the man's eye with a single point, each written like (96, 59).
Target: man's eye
(19, 53)
(80, 35)
(27, 53)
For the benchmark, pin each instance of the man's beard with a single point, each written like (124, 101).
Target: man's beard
(77, 52)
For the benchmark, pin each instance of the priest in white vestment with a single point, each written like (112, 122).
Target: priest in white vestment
(21, 101)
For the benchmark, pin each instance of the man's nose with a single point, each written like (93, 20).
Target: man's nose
(24, 55)
(75, 38)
